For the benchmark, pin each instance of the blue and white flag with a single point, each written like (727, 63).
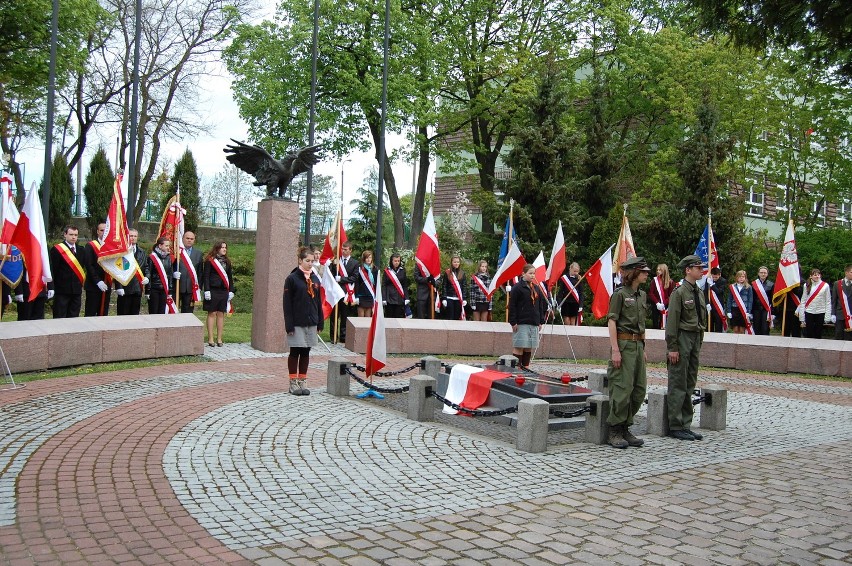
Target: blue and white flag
(504, 245)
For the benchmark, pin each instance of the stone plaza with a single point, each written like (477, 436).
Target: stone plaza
(213, 462)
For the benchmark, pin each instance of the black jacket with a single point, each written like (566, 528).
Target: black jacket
(212, 281)
(389, 292)
(64, 280)
(523, 309)
(153, 273)
(300, 308)
(197, 258)
(423, 285)
(94, 272)
(449, 289)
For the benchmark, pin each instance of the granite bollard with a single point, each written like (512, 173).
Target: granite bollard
(421, 403)
(658, 413)
(533, 416)
(337, 380)
(713, 412)
(508, 360)
(598, 381)
(597, 428)
(431, 366)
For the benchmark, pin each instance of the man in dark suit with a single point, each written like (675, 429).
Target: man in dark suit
(345, 271)
(68, 275)
(187, 285)
(130, 296)
(29, 310)
(98, 282)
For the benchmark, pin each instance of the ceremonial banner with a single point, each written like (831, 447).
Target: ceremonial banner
(706, 250)
(469, 386)
(599, 277)
(510, 239)
(377, 355)
(30, 237)
(330, 291)
(788, 276)
(116, 241)
(333, 240)
(428, 255)
(122, 268)
(624, 249)
(11, 265)
(557, 259)
(171, 225)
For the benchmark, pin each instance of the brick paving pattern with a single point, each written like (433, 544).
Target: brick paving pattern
(213, 463)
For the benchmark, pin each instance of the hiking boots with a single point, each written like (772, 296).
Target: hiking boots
(681, 435)
(294, 387)
(695, 435)
(632, 440)
(304, 390)
(616, 436)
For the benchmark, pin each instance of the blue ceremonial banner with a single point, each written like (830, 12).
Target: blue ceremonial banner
(13, 266)
(504, 245)
(703, 248)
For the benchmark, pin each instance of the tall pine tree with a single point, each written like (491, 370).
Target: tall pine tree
(61, 196)
(185, 177)
(98, 190)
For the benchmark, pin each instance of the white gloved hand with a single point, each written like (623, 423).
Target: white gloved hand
(206, 295)
(473, 307)
(750, 316)
(773, 318)
(20, 299)
(709, 308)
(145, 280)
(464, 303)
(356, 301)
(176, 274)
(407, 301)
(508, 288)
(580, 309)
(661, 307)
(833, 318)
(729, 315)
(337, 278)
(103, 286)
(230, 296)
(384, 303)
(444, 302)
(50, 293)
(119, 292)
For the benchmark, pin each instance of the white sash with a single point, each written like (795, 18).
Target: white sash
(454, 281)
(717, 306)
(161, 272)
(571, 288)
(478, 282)
(348, 287)
(741, 306)
(365, 277)
(220, 269)
(844, 302)
(665, 312)
(395, 281)
(814, 293)
(764, 300)
(193, 276)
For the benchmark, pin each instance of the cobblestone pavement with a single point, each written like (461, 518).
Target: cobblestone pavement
(214, 463)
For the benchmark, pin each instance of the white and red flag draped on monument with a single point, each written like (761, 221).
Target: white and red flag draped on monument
(335, 238)
(624, 249)
(469, 386)
(377, 354)
(599, 278)
(30, 237)
(428, 255)
(557, 259)
(788, 276)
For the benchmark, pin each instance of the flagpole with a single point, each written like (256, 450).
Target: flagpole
(709, 261)
(509, 246)
(336, 336)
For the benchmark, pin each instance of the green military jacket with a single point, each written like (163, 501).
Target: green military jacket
(685, 313)
(628, 309)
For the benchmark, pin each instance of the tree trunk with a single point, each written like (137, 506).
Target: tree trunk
(419, 201)
(374, 122)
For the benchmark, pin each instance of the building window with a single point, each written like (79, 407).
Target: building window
(782, 196)
(754, 199)
(844, 214)
(818, 209)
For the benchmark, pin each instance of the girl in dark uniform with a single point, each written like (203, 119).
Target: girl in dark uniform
(217, 282)
(302, 319)
(527, 308)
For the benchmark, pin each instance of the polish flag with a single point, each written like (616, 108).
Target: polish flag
(788, 276)
(8, 211)
(469, 386)
(30, 237)
(330, 291)
(541, 272)
(428, 255)
(557, 259)
(333, 240)
(599, 277)
(377, 346)
(512, 266)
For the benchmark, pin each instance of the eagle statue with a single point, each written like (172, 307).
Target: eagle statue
(275, 174)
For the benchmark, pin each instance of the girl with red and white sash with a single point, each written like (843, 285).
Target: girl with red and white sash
(480, 302)
(815, 309)
(217, 284)
(455, 290)
(570, 295)
(365, 284)
(395, 288)
(659, 291)
(739, 311)
(159, 272)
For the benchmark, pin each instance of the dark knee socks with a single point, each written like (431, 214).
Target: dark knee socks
(297, 362)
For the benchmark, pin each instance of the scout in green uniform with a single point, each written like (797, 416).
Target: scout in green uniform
(628, 309)
(684, 336)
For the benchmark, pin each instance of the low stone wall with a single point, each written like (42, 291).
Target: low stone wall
(737, 351)
(35, 345)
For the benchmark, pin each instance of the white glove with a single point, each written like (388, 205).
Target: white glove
(709, 308)
(661, 307)
(145, 280)
(176, 274)
(508, 288)
(337, 278)
(384, 303)
(407, 301)
(230, 296)
(444, 302)
(103, 286)
(473, 307)
(729, 315)
(750, 316)
(464, 303)
(50, 293)
(833, 318)
(773, 318)
(580, 309)
(20, 299)
(119, 292)
(206, 295)
(356, 301)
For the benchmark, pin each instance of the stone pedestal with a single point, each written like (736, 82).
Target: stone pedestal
(658, 413)
(431, 366)
(421, 404)
(277, 246)
(533, 417)
(598, 381)
(337, 380)
(714, 414)
(597, 428)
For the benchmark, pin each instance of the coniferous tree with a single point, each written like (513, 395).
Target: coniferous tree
(185, 178)
(61, 195)
(98, 190)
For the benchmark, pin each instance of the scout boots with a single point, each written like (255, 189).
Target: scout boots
(631, 440)
(616, 436)
(297, 385)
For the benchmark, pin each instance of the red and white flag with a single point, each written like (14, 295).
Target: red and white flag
(335, 238)
(788, 276)
(512, 266)
(599, 277)
(8, 211)
(377, 346)
(428, 256)
(30, 237)
(557, 259)
(468, 386)
(330, 291)
(541, 273)
(172, 224)
(624, 249)
(116, 241)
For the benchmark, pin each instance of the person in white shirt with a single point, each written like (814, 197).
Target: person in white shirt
(815, 310)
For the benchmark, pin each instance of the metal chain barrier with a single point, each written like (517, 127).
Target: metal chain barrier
(699, 397)
(572, 414)
(376, 388)
(391, 373)
(555, 379)
(474, 412)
